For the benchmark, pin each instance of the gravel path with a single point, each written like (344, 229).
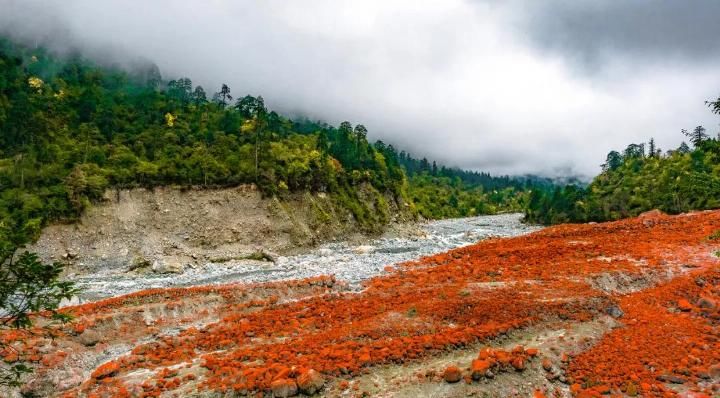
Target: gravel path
(346, 261)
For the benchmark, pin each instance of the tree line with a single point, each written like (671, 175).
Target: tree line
(640, 178)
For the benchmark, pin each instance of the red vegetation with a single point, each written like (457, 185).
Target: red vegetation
(106, 370)
(445, 302)
(490, 361)
(666, 340)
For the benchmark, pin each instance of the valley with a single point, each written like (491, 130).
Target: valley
(359, 199)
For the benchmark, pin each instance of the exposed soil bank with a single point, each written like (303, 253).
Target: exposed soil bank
(626, 308)
(168, 229)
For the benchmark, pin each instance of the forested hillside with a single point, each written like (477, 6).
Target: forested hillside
(442, 192)
(641, 178)
(72, 129)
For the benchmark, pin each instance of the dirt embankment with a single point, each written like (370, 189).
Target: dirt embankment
(168, 229)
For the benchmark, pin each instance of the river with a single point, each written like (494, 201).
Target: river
(348, 262)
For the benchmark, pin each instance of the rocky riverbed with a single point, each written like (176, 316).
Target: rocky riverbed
(571, 310)
(352, 262)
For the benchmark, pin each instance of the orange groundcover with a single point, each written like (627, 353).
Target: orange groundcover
(670, 332)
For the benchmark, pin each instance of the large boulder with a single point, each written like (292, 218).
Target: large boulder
(284, 388)
(452, 374)
(89, 338)
(479, 368)
(167, 267)
(310, 382)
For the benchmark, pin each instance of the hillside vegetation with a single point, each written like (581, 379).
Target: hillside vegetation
(72, 129)
(639, 179)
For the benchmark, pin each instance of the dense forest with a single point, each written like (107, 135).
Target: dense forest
(72, 129)
(442, 192)
(638, 179)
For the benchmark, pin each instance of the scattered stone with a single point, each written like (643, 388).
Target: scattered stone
(269, 256)
(671, 379)
(166, 267)
(703, 375)
(479, 367)
(452, 374)
(106, 370)
(547, 364)
(89, 338)
(70, 255)
(615, 311)
(364, 249)
(706, 303)
(518, 364)
(284, 388)
(310, 382)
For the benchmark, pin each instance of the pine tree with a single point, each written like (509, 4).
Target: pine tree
(613, 161)
(697, 136)
(223, 96)
(198, 96)
(683, 148)
(651, 148)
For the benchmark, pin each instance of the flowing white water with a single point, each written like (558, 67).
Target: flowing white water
(347, 262)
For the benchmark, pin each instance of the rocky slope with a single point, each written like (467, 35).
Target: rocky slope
(167, 230)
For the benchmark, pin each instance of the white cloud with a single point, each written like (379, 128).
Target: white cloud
(456, 81)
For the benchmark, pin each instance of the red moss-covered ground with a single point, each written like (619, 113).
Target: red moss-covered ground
(660, 271)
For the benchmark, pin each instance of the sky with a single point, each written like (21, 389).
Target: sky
(509, 87)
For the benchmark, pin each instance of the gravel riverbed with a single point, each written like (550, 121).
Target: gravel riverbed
(347, 261)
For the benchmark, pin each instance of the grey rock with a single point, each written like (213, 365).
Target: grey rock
(667, 378)
(615, 311)
(89, 338)
(167, 267)
(139, 263)
(364, 249)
